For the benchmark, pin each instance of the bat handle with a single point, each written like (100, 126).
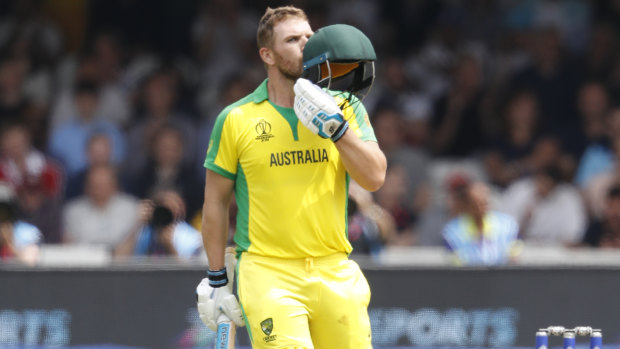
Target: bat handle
(225, 338)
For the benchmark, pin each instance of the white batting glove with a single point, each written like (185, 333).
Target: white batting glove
(318, 111)
(215, 297)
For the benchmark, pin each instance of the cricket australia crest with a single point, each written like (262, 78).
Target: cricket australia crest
(267, 327)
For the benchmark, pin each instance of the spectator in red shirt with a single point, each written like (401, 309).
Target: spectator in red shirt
(34, 177)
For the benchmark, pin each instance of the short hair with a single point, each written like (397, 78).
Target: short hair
(273, 16)
(98, 135)
(86, 87)
(168, 129)
(552, 172)
(613, 192)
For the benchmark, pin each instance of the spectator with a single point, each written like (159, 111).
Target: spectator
(549, 211)
(458, 127)
(362, 14)
(163, 230)
(101, 64)
(107, 52)
(438, 209)
(595, 190)
(104, 216)
(390, 128)
(395, 86)
(599, 156)
(393, 197)
(613, 80)
(31, 39)
(509, 155)
(552, 77)
(14, 104)
(369, 224)
(29, 26)
(479, 235)
(158, 99)
(18, 240)
(98, 152)
(548, 152)
(223, 34)
(165, 170)
(68, 142)
(26, 81)
(592, 108)
(36, 180)
(602, 50)
(605, 231)
(571, 19)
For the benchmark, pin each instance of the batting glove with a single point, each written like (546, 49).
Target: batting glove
(214, 296)
(318, 111)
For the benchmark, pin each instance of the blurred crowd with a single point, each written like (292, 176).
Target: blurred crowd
(106, 107)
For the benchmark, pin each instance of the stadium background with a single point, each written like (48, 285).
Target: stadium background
(77, 297)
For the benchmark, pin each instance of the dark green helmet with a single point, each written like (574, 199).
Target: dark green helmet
(340, 57)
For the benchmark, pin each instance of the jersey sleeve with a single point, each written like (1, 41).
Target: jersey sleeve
(222, 155)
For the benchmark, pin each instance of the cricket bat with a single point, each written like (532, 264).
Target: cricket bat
(225, 338)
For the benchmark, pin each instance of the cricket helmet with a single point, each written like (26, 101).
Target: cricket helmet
(340, 57)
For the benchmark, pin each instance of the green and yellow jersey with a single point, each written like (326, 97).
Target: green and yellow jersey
(291, 186)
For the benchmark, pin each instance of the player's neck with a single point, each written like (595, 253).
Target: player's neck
(280, 90)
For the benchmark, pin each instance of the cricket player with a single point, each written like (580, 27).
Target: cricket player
(288, 151)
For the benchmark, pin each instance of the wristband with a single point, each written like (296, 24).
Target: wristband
(340, 131)
(217, 278)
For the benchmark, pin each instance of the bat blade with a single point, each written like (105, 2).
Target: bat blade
(225, 338)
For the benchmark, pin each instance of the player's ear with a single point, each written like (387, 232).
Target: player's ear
(266, 55)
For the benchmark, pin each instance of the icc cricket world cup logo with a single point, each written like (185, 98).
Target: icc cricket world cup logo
(263, 129)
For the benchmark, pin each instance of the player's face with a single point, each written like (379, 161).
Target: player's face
(289, 38)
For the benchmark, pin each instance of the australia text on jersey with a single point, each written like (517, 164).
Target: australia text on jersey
(298, 157)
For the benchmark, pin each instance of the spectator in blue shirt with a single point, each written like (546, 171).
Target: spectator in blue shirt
(480, 236)
(19, 240)
(68, 142)
(163, 230)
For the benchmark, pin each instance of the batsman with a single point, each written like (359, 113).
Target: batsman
(287, 152)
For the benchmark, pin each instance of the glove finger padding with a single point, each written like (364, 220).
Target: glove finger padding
(317, 109)
(206, 305)
(211, 302)
(230, 306)
(319, 99)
